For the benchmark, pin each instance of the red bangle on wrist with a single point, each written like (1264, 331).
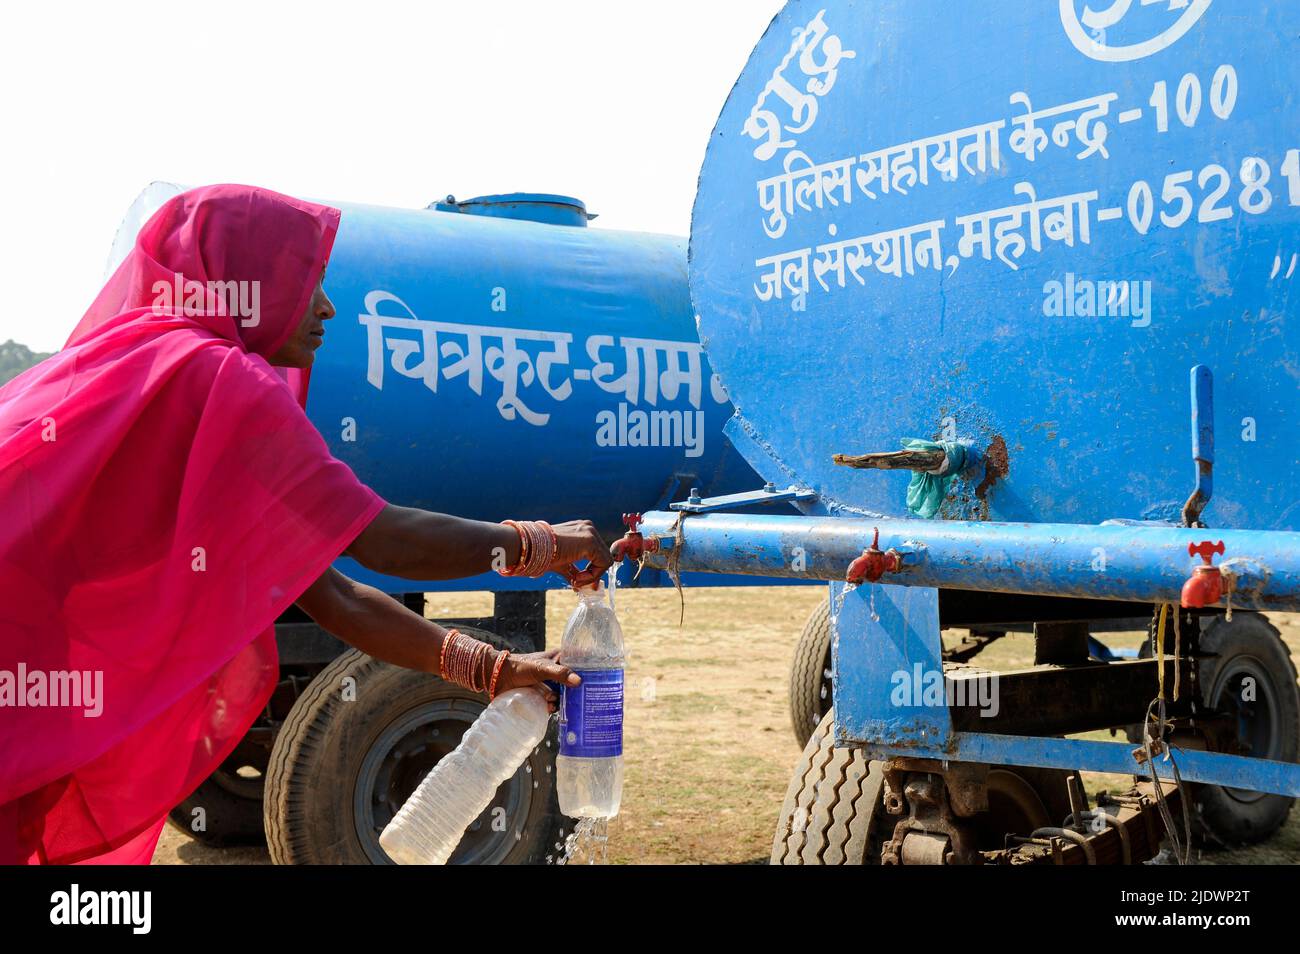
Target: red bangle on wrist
(461, 661)
(538, 548)
(442, 655)
(496, 672)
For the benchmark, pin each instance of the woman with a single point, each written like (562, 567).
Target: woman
(163, 498)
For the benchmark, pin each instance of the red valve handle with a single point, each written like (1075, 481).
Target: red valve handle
(871, 564)
(632, 544)
(1205, 550)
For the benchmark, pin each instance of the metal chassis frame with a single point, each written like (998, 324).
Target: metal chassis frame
(905, 631)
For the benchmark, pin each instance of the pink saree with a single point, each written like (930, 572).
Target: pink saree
(163, 498)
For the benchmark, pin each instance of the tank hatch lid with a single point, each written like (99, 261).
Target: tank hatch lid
(527, 206)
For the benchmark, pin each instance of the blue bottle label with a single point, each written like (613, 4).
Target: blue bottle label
(591, 715)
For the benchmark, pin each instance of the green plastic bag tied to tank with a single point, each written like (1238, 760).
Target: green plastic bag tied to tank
(927, 490)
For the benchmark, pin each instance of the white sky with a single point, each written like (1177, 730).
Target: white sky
(382, 102)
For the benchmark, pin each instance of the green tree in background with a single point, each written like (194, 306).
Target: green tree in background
(16, 358)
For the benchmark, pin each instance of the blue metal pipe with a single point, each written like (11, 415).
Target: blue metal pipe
(1109, 561)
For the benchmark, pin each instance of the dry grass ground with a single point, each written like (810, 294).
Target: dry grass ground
(708, 743)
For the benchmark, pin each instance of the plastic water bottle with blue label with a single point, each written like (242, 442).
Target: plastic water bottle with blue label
(589, 767)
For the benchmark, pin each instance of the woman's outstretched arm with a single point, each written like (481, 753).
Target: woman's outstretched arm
(379, 626)
(420, 545)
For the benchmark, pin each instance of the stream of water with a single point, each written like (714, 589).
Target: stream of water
(588, 843)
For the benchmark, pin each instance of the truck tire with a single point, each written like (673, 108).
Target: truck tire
(1249, 647)
(359, 740)
(810, 674)
(833, 811)
(225, 811)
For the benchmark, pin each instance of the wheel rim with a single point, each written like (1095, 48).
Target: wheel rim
(240, 777)
(1015, 807)
(408, 750)
(1256, 719)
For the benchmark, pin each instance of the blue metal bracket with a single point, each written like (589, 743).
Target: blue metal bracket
(769, 494)
(886, 653)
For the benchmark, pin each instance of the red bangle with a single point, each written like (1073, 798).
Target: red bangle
(447, 639)
(496, 671)
(542, 547)
(550, 548)
(479, 672)
(523, 550)
(538, 548)
(461, 661)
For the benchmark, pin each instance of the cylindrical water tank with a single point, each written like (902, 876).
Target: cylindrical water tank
(1020, 225)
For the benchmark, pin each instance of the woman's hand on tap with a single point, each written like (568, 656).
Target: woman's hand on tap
(577, 540)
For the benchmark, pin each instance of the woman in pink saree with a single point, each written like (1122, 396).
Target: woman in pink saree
(163, 498)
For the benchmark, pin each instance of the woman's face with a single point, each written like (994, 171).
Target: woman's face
(299, 351)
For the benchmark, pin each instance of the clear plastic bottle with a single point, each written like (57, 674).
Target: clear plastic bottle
(589, 767)
(430, 825)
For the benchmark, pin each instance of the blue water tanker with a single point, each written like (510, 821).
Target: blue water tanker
(1005, 297)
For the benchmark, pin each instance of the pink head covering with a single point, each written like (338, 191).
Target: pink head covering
(165, 499)
(207, 238)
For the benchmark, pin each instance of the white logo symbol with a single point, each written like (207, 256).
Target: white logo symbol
(1088, 33)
